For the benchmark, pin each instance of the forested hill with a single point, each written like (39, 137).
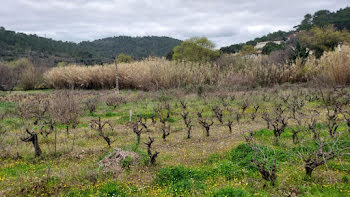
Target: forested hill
(340, 19)
(49, 52)
(137, 47)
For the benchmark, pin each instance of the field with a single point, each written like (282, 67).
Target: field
(257, 142)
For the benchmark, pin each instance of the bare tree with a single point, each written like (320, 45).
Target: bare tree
(35, 109)
(143, 123)
(206, 124)
(332, 118)
(218, 113)
(65, 109)
(188, 123)
(297, 116)
(99, 125)
(244, 105)
(229, 124)
(183, 104)
(137, 131)
(260, 159)
(324, 151)
(254, 114)
(114, 100)
(249, 137)
(313, 123)
(165, 129)
(152, 156)
(91, 104)
(33, 137)
(279, 121)
(265, 116)
(346, 115)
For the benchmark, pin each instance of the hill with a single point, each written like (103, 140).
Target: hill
(340, 19)
(14, 45)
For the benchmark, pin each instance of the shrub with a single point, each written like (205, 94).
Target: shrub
(229, 192)
(122, 58)
(336, 66)
(8, 78)
(30, 78)
(173, 175)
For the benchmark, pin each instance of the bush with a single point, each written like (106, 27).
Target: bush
(229, 192)
(173, 175)
(336, 66)
(8, 78)
(122, 58)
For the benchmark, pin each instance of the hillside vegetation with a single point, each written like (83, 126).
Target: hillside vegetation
(340, 19)
(48, 52)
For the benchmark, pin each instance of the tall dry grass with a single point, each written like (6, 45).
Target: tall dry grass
(156, 73)
(149, 74)
(335, 66)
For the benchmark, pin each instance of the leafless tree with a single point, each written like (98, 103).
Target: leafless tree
(143, 123)
(285, 98)
(99, 125)
(265, 116)
(183, 104)
(152, 156)
(249, 137)
(244, 105)
(35, 109)
(255, 112)
(200, 113)
(165, 129)
(279, 121)
(91, 104)
(325, 150)
(346, 115)
(260, 159)
(114, 100)
(332, 120)
(218, 113)
(65, 109)
(206, 124)
(33, 137)
(188, 123)
(229, 124)
(137, 130)
(313, 123)
(238, 117)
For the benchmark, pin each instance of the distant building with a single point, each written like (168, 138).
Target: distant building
(261, 45)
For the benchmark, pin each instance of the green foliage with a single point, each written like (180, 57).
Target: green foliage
(181, 180)
(109, 189)
(270, 47)
(172, 175)
(122, 58)
(340, 19)
(247, 49)
(229, 192)
(15, 45)
(323, 39)
(275, 36)
(127, 162)
(196, 50)
(299, 52)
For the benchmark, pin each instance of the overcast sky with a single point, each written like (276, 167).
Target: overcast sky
(225, 22)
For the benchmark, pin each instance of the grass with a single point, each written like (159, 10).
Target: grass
(219, 165)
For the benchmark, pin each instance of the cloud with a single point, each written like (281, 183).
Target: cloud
(223, 21)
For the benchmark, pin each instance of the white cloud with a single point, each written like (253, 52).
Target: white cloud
(224, 21)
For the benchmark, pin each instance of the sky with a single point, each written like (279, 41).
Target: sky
(225, 22)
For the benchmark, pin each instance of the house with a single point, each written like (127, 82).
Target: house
(261, 45)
